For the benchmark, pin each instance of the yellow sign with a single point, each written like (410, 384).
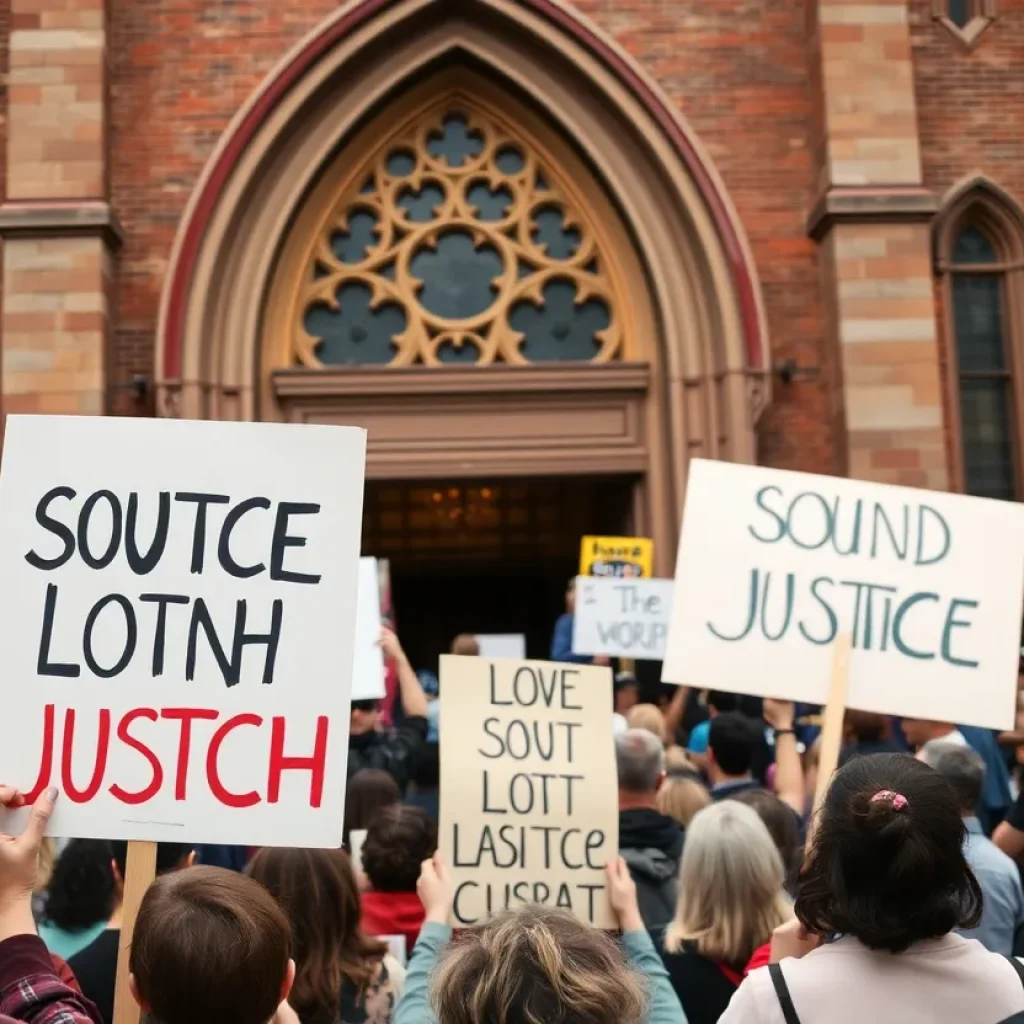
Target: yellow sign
(617, 556)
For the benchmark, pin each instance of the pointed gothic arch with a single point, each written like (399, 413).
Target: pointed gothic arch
(979, 259)
(696, 388)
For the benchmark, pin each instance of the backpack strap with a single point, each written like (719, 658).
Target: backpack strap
(782, 991)
(1018, 967)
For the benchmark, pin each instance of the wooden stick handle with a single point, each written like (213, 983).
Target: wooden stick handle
(140, 870)
(835, 709)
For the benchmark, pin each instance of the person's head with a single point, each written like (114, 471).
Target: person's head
(732, 742)
(781, 823)
(682, 795)
(367, 793)
(570, 596)
(466, 645)
(865, 727)
(730, 885)
(627, 692)
(536, 964)
(210, 947)
(82, 890)
(920, 731)
(649, 717)
(886, 864)
(169, 857)
(963, 769)
(677, 761)
(640, 759)
(720, 701)
(317, 890)
(364, 717)
(398, 841)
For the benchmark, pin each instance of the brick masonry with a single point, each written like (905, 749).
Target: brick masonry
(55, 320)
(788, 96)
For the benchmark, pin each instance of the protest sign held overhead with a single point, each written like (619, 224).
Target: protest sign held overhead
(622, 618)
(773, 566)
(528, 783)
(177, 625)
(368, 680)
(616, 556)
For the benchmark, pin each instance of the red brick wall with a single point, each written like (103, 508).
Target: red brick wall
(970, 106)
(738, 70)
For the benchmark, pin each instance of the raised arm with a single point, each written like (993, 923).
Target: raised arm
(789, 773)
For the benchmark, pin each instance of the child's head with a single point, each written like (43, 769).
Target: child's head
(210, 947)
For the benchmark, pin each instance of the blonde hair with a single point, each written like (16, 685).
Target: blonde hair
(681, 797)
(676, 760)
(730, 885)
(536, 965)
(647, 717)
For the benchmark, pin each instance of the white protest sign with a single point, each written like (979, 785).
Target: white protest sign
(368, 662)
(502, 645)
(176, 625)
(528, 786)
(773, 565)
(623, 618)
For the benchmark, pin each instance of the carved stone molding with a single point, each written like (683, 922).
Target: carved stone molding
(981, 14)
(901, 205)
(32, 219)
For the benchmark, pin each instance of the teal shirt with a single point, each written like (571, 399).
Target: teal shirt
(66, 944)
(414, 1007)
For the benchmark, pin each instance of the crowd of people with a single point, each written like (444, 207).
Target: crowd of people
(899, 899)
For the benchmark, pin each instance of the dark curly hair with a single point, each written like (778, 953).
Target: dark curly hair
(888, 871)
(398, 841)
(82, 890)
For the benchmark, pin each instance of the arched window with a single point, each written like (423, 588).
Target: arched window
(459, 236)
(981, 257)
(966, 20)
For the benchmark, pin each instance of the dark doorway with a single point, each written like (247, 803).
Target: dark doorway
(486, 557)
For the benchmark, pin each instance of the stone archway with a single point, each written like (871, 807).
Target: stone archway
(697, 390)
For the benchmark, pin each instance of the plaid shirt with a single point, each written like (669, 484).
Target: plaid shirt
(31, 992)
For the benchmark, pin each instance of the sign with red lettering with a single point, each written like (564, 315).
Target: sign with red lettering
(176, 625)
(774, 565)
(528, 786)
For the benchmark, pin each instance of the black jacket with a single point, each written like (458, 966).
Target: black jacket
(391, 752)
(651, 843)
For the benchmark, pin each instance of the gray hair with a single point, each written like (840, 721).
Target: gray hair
(961, 767)
(640, 757)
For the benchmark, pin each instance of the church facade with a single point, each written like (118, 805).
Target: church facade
(546, 251)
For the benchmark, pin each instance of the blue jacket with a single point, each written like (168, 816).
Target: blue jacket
(561, 642)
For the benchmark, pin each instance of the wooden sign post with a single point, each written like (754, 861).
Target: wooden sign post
(140, 870)
(835, 709)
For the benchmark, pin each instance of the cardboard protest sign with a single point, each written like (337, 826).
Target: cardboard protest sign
(502, 645)
(616, 556)
(773, 566)
(176, 625)
(623, 618)
(368, 680)
(528, 784)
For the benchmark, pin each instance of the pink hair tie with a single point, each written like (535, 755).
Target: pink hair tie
(898, 800)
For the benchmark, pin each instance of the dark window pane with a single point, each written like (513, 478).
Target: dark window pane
(421, 207)
(352, 246)
(959, 11)
(447, 352)
(987, 436)
(490, 204)
(455, 142)
(558, 241)
(973, 247)
(400, 163)
(560, 329)
(978, 321)
(457, 276)
(509, 160)
(354, 333)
